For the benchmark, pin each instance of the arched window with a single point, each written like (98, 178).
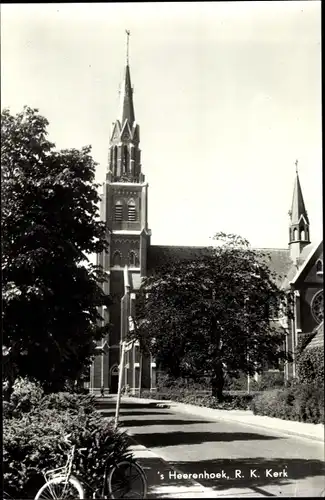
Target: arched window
(118, 211)
(132, 215)
(132, 258)
(125, 159)
(115, 371)
(115, 160)
(117, 259)
(302, 235)
(295, 234)
(319, 266)
(317, 306)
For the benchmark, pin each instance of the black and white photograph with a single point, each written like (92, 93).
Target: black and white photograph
(162, 250)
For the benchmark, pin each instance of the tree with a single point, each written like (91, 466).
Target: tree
(212, 314)
(51, 292)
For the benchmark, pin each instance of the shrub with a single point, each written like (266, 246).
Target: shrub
(32, 442)
(276, 403)
(25, 396)
(239, 383)
(270, 380)
(304, 403)
(309, 400)
(230, 402)
(166, 382)
(62, 401)
(310, 366)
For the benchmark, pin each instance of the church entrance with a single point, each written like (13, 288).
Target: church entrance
(114, 379)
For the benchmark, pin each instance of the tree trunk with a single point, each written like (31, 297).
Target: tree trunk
(217, 381)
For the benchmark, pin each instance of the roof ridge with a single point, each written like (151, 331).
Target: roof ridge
(271, 248)
(181, 246)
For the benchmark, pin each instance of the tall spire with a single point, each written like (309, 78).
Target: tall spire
(126, 94)
(299, 235)
(124, 159)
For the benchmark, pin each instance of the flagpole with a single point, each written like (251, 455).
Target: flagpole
(119, 392)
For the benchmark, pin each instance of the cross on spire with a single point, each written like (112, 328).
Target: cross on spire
(127, 46)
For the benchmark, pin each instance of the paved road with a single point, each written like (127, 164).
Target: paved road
(249, 462)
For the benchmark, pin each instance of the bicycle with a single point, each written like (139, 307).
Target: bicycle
(117, 481)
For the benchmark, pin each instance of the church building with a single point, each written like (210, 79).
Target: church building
(131, 257)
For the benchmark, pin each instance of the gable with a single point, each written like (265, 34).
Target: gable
(116, 132)
(125, 134)
(318, 339)
(307, 272)
(312, 276)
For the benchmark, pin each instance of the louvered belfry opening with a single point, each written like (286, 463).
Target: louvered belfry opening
(132, 259)
(118, 215)
(132, 215)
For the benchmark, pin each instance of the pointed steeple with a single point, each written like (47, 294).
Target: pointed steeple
(126, 93)
(298, 209)
(299, 235)
(124, 159)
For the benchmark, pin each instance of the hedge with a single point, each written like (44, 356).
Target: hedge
(268, 380)
(33, 431)
(230, 402)
(310, 366)
(303, 403)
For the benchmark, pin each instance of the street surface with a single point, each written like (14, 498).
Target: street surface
(231, 459)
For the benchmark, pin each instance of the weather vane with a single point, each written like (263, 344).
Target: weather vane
(127, 46)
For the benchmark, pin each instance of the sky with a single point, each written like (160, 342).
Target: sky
(227, 96)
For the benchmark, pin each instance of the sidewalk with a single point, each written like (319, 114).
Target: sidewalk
(162, 478)
(165, 481)
(245, 417)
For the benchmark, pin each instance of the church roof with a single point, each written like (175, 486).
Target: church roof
(160, 255)
(279, 262)
(297, 267)
(318, 339)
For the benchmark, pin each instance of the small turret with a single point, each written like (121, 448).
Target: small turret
(299, 235)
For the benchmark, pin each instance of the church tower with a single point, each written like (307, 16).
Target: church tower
(124, 208)
(299, 235)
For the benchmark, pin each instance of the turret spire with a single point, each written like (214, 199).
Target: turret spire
(299, 235)
(298, 206)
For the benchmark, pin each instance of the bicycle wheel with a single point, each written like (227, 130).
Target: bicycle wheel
(60, 489)
(127, 480)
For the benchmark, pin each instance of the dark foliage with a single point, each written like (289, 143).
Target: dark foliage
(311, 365)
(212, 315)
(33, 438)
(51, 293)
